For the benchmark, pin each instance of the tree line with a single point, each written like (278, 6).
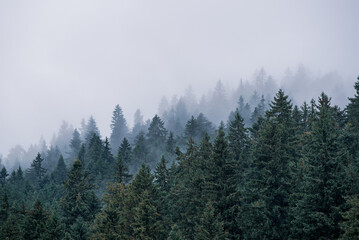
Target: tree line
(292, 174)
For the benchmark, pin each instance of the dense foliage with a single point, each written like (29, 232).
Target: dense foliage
(280, 172)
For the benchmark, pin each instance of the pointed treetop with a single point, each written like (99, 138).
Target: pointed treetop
(280, 107)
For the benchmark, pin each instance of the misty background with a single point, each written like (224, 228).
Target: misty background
(67, 61)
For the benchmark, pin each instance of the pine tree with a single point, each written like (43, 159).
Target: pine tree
(35, 222)
(140, 151)
(119, 128)
(353, 108)
(4, 207)
(75, 145)
(36, 171)
(210, 225)
(13, 227)
(156, 132)
(94, 155)
(190, 128)
(108, 161)
(238, 138)
(350, 225)
(79, 199)
(3, 176)
(79, 230)
(170, 144)
(141, 212)
(91, 129)
(317, 213)
(54, 229)
(265, 209)
(161, 175)
(126, 151)
(60, 172)
(109, 222)
(122, 174)
(221, 185)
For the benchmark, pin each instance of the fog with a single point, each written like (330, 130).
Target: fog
(68, 60)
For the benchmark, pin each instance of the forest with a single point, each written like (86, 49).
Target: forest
(271, 170)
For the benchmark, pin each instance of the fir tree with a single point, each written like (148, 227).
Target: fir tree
(122, 174)
(126, 151)
(60, 172)
(317, 213)
(75, 145)
(79, 199)
(265, 207)
(119, 128)
(161, 175)
(156, 132)
(36, 171)
(3, 176)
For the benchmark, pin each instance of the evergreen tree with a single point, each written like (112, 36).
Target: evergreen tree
(75, 146)
(238, 138)
(36, 171)
(79, 230)
(350, 225)
(4, 207)
(108, 161)
(109, 223)
(96, 165)
(317, 213)
(265, 209)
(141, 213)
(126, 151)
(221, 185)
(60, 172)
(3, 176)
(13, 227)
(35, 222)
(353, 108)
(91, 129)
(140, 151)
(156, 132)
(161, 175)
(190, 128)
(54, 229)
(210, 225)
(51, 158)
(79, 200)
(119, 128)
(122, 174)
(82, 155)
(170, 144)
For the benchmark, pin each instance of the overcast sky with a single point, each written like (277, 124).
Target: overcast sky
(66, 60)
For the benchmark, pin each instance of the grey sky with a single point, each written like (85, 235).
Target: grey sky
(66, 60)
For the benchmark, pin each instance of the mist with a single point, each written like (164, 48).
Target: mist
(67, 61)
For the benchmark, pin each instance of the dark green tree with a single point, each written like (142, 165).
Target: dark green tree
(122, 174)
(350, 225)
(60, 172)
(317, 214)
(141, 211)
(79, 199)
(35, 222)
(3, 176)
(126, 151)
(265, 208)
(210, 225)
(161, 175)
(36, 172)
